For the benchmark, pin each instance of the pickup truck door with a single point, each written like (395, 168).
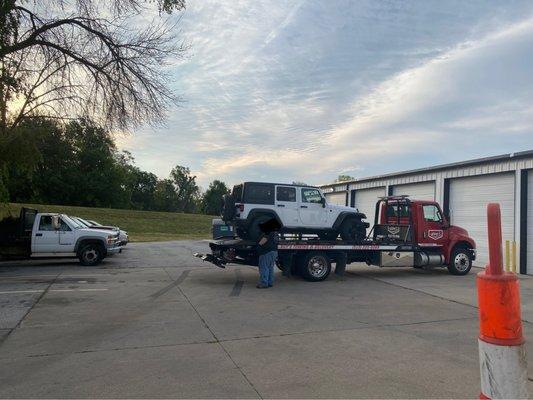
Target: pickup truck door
(66, 237)
(45, 238)
(312, 212)
(287, 206)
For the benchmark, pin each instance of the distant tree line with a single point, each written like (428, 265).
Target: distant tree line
(78, 163)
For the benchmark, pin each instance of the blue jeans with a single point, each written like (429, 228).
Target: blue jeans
(266, 268)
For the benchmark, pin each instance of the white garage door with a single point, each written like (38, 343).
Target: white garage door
(365, 202)
(529, 222)
(416, 191)
(336, 198)
(468, 207)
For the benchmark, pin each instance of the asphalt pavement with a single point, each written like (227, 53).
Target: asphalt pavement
(155, 322)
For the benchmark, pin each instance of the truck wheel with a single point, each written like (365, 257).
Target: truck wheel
(91, 254)
(353, 230)
(315, 267)
(460, 261)
(254, 232)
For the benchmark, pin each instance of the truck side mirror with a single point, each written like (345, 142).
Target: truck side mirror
(55, 222)
(323, 201)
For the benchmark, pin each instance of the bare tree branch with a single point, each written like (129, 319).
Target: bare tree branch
(77, 63)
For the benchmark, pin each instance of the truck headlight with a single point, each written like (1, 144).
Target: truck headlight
(112, 239)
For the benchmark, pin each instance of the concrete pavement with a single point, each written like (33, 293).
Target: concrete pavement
(156, 322)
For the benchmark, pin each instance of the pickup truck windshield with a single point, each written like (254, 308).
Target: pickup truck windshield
(73, 223)
(83, 222)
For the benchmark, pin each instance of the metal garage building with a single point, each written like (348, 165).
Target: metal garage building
(463, 189)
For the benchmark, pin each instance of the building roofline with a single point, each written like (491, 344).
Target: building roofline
(501, 157)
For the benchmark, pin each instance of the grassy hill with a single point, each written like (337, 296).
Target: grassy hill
(142, 226)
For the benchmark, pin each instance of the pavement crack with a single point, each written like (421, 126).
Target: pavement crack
(178, 281)
(45, 291)
(217, 341)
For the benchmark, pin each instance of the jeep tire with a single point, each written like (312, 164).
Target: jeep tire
(254, 231)
(91, 254)
(353, 230)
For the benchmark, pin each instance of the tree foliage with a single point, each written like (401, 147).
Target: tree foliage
(79, 164)
(344, 178)
(212, 200)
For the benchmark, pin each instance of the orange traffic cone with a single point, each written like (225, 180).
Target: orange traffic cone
(502, 356)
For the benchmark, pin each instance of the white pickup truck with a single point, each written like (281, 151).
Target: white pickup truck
(52, 235)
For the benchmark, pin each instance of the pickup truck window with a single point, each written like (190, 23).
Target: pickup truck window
(63, 226)
(45, 224)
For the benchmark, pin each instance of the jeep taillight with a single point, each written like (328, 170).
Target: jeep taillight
(240, 207)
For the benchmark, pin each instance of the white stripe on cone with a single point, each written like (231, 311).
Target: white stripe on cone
(503, 371)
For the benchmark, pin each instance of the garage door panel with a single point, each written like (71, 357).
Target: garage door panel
(416, 191)
(365, 202)
(529, 238)
(468, 207)
(336, 198)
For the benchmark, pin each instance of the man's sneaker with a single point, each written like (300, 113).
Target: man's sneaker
(259, 286)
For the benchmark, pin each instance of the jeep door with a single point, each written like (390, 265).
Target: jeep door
(287, 206)
(46, 237)
(312, 213)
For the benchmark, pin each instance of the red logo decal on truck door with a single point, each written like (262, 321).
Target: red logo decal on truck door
(435, 234)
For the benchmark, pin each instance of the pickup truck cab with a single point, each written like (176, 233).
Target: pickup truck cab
(52, 235)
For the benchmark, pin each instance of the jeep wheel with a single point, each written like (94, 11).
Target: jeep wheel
(353, 230)
(460, 261)
(315, 267)
(91, 254)
(254, 231)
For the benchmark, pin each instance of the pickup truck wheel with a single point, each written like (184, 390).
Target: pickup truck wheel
(91, 254)
(254, 232)
(315, 267)
(460, 261)
(353, 230)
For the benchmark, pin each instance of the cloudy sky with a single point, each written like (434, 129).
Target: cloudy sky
(309, 89)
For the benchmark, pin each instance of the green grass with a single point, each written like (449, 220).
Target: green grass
(142, 226)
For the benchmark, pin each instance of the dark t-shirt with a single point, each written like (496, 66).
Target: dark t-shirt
(270, 245)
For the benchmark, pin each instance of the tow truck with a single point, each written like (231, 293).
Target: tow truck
(406, 233)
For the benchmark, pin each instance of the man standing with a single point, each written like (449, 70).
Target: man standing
(267, 248)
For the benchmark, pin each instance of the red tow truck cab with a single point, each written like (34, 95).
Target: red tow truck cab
(423, 223)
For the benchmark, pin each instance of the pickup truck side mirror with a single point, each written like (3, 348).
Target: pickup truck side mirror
(55, 222)
(323, 201)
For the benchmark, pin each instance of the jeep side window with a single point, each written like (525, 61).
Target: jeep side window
(284, 193)
(259, 194)
(431, 213)
(45, 224)
(311, 196)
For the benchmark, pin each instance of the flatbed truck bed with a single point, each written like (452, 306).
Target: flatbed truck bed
(405, 234)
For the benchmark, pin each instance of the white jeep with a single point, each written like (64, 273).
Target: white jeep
(299, 209)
